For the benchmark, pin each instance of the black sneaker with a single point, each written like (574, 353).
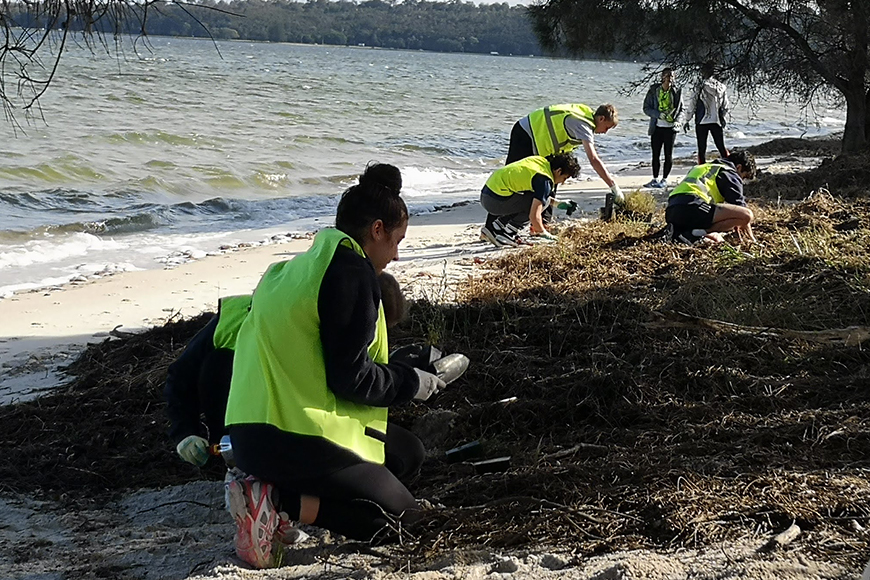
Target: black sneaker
(497, 237)
(690, 238)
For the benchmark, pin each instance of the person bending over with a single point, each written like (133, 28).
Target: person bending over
(561, 129)
(198, 382)
(307, 410)
(710, 200)
(518, 193)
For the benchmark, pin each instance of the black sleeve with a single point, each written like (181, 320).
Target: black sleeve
(348, 309)
(182, 390)
(542, 188)
(730, 185)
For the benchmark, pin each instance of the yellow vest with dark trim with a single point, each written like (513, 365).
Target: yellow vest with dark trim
(279, 374)
(548, 127)
(232, 311)
(701, 181)
(517, 177)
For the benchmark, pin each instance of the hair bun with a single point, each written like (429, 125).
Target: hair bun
(387, 176)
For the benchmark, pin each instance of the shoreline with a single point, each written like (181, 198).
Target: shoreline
(45, 329)
(182, 531)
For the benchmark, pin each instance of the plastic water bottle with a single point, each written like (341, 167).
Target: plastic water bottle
(224, 449)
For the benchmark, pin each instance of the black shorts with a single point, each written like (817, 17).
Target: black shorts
(694, 214)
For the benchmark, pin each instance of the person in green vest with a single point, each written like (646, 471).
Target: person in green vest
(710, 201)
(517, 194)
(198, 382)
(561, 129)
(311, 384)
(663, 105)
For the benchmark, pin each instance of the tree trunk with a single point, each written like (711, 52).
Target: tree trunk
(855, 133)
(867, 117)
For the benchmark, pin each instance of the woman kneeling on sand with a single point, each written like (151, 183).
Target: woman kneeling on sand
(307, 409)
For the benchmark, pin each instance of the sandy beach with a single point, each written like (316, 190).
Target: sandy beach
(47, 328)
(183, 531)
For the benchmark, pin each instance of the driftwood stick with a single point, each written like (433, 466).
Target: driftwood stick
(849, 336)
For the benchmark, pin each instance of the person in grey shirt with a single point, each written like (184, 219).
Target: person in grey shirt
(711, 107)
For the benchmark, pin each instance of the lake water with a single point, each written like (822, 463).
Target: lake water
(178, 149)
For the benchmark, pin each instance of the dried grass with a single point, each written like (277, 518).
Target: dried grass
(623, 432)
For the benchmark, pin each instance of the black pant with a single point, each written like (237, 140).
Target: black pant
(715, 130)
(663, 137)
(357, 497)
(213, 387)
(520, 145)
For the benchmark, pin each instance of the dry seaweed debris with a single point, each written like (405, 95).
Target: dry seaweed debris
(106, 429)
(622, 432)
(846, 176)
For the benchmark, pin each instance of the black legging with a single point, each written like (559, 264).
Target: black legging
(354, 494)
(663, 136)
(213, 387)
(715, 130)
(520, 145)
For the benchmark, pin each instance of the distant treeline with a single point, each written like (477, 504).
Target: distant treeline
(452, 26)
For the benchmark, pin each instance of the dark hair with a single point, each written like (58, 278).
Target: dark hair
(744, 158)
(708, 69)
(375, 197)
(566, 162)
(395, 306)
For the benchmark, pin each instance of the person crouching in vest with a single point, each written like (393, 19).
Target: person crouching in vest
(709, 201)
(198, 382)
(518, 193)
(307, 410)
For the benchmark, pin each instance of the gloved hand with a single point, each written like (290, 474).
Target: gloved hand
(544, 235)
(569, 206)
(618, 197)
(429, 385)
(686, 127)
(193, 449)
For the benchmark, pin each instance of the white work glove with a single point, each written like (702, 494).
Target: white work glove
(618, 197)
(193, 449)
(429, 385)
(544, 235)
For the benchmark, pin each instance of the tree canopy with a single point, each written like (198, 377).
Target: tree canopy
(800, 48)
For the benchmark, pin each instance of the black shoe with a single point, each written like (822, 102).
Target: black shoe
(690, 237)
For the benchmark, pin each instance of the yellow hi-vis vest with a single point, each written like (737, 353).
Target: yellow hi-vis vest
(548, 127)
(517, 177)
(232, 311)
(279, 375)
(701, 181)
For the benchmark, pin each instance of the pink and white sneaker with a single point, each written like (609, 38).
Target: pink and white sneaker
(252, 508)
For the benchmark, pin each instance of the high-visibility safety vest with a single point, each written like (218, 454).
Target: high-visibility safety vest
(232, 311)
(701, 181)
(548, 127)
(517, 177)
(279, 374)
